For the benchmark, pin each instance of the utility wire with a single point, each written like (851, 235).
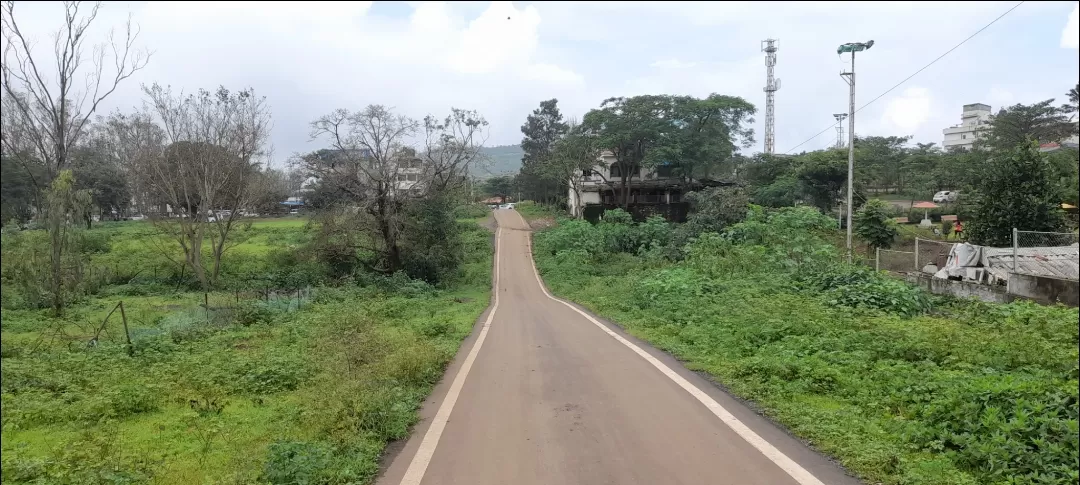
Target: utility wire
(977, 32)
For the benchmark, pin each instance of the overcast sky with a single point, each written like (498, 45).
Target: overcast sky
(503, 58)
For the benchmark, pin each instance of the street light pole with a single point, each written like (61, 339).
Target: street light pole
(850, 78)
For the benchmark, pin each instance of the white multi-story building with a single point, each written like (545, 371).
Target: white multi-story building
(974, 124)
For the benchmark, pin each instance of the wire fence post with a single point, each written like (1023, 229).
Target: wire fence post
(877, 259)
(1015, 247)
(127, 334)
(917, 255)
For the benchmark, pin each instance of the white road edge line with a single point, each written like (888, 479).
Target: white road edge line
(419, 464)
(796, 471)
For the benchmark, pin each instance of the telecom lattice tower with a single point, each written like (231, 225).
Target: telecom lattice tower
(840, 117)
(771, 86)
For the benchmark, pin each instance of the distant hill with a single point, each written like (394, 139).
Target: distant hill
(503, 160)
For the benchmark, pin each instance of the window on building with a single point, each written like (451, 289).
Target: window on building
(616, 171)
(963, 137)
(586, 172)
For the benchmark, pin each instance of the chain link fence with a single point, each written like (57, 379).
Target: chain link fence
(1046, 253)
(894, 261)
(926, 251)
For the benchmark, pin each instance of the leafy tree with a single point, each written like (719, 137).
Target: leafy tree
(64, 205)
(1016, 191)
(432, 249)
(873, 224)
(1014, 125)
(542, 129)
(1073, 106)
(628, 128)
(499, 185)
(104, 179)
(823, 177)
(19, 194)
(699, 136)
(712, 210)
(880, 161)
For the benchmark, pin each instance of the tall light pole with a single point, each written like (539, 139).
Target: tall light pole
(852, 47)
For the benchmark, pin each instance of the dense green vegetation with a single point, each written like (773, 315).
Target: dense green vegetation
(255, 382)
(900, 386)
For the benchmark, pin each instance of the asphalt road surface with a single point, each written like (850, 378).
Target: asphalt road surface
(545, 393)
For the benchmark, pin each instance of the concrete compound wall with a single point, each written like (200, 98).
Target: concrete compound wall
(959, 289)
(1043, 289)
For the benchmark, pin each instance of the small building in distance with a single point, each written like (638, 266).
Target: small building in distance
(974, 124)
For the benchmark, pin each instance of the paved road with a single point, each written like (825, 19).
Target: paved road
(542, 393)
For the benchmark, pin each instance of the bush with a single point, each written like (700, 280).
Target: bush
(857, 287)
(431, 246)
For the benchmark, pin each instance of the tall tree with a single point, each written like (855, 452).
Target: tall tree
(822, 177)
(1042, 122)
(1016, 191)
(628, 128)
(1072, 106)
(49, 111)
(700, 136)
(881, 161)
(542, 129)
(52, 109)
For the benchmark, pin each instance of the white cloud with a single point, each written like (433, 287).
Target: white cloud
(424, 57)
(673, 64)
(1070, 37)
(909, 111)
(552, 74)
(1000, 97)
(500, 35)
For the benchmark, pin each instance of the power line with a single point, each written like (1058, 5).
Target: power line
(977, 32)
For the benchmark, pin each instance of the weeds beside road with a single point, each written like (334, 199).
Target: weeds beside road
(899, 386)
(263, 391)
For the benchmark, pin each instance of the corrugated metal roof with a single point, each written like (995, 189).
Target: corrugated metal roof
(1059, 262)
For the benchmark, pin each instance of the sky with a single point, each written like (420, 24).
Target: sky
(503, 58)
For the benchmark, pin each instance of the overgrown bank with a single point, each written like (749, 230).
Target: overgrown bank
(901, 387)
(281, 389)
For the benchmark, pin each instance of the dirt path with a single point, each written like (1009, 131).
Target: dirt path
(543, 393)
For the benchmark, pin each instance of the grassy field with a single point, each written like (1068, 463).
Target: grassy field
(262, 385)
(900, 387)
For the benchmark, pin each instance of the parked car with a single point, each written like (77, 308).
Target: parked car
(945, 196)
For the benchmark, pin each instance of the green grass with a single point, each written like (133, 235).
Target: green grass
(964, 393)
(251, 391)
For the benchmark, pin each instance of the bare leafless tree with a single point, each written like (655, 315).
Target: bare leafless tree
(213, 144)
(47, 107)
(383, 160)
(52, 108)
(133, 140)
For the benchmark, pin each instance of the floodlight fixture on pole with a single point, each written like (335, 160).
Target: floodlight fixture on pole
(851, 47)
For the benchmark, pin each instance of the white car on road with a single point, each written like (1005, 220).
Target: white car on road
(945, 196)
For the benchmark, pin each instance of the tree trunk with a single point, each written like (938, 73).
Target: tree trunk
(56, 239)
